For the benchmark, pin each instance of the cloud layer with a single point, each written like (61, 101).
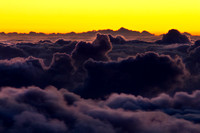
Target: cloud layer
(35, 110)
(96, 87)
(145, 74)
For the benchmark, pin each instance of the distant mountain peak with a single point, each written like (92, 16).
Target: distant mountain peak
(122, 29)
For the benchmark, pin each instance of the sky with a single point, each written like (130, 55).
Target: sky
(156, 16)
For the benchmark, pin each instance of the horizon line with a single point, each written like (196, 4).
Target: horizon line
(50, 33)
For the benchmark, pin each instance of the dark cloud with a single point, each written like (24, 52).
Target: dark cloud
(192, 61)
(181, 105)
(174, 36)
(20, 72)
(63, 47)
(8, 52)
(31, 122)
(145, 74)
(126, 94)
(96, 50)
(183, 48)
(62, 42)
(50, 67)
(45, 49)
(121, 40)
(38, 50)
(137, 42)
(45, 42)
(60, 71)
(196, 44)
(117, 39)
(33, 110)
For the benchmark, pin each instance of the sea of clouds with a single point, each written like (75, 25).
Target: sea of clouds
(108, 85)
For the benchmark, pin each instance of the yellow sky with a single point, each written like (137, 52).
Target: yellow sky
(156, 16)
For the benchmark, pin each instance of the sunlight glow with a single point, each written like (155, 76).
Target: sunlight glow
(156, 16)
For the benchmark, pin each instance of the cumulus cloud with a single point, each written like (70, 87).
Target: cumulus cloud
(138, 42)
(183, 48)
(174, 36)
(96, 50)
(20, 72)
(181, 105)
(145, 74)
(60, 71)
(122, 96)
(9, 52)
(117, 39)
(62, 42)
(45, 49)
(27, 122)
(53, 111)
(45, 42)
(121, 40)
(196, 44)
(192, 61)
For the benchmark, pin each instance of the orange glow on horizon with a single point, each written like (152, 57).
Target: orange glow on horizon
(64, 16)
